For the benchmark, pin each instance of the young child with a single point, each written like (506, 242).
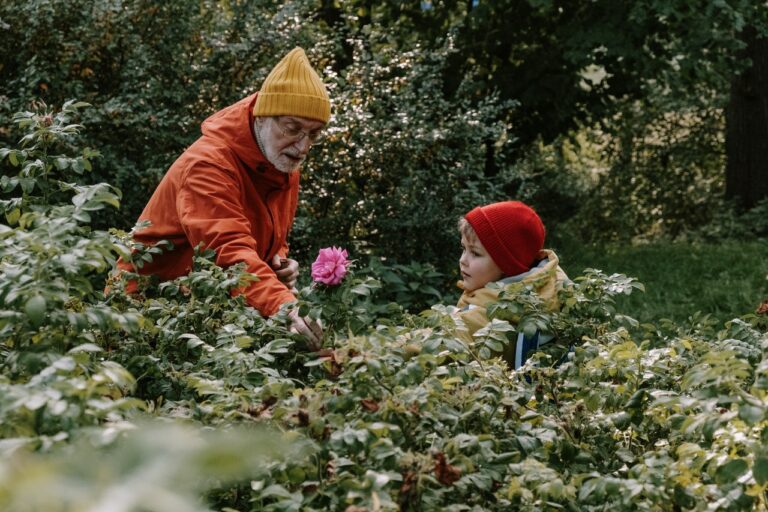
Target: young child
(504, 242)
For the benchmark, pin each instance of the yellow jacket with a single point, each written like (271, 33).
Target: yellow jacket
(547, 278)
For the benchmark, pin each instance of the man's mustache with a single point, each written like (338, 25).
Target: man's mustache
(298, 156)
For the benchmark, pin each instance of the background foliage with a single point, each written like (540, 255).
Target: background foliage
(607, 116)
(184, 398)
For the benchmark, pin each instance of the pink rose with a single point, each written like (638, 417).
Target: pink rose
(330, 267)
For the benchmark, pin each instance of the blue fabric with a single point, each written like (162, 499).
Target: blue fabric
(526, 344)
(523, 347)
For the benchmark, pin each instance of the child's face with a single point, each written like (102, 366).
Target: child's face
(477, 267)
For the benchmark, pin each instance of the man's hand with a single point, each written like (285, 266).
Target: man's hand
(308, 328)
(287, 270)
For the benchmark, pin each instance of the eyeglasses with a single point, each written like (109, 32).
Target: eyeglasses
(296, 134)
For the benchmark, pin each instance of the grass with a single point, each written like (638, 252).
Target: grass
(725, 280)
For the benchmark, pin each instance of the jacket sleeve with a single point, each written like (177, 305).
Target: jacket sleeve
(475, 318)
(209, 206)
(293, 203)
(283, 250)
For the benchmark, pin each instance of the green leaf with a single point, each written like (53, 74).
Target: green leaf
(27, 185)
(529, 329)
(361, 289)
(276, 490)
(243, 341)
(636, 400)
(621, 420)
(61, 163)
(683, 497)
(316, 362)
(751, 414)
(12, 217)
(527, 444)
(730, 471)
(8, 183)
(35, 308)
(494, 344)
(588, 487)
(86, 347)
(760, 470)
(431, 291)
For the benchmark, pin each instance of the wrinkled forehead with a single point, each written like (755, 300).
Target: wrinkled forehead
(302, 122)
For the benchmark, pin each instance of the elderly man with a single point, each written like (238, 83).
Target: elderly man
(235, 190)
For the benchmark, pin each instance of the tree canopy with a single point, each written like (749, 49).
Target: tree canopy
(609, 115)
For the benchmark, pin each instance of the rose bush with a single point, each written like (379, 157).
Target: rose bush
(331, 266)
(342, 301)
(397, 413)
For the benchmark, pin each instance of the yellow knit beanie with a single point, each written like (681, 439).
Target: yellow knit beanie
(293, 88)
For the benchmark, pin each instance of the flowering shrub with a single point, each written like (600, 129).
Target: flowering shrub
(396, 413)
(331, 265)
(342, 301)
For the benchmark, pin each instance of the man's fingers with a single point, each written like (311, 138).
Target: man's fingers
(287, 275)
(316, 328)
(300, 327)
(283, 272)
(286, 270)
(288, 281)
(305, 329)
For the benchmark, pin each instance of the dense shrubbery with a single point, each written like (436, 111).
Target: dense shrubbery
(394, 413)
(662, 170)
(399, 137)
(413, 121)
(153, 71)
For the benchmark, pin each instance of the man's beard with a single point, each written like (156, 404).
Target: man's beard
(285, 164)
(281, 162)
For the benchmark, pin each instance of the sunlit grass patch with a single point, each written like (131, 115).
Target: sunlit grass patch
(723, 280)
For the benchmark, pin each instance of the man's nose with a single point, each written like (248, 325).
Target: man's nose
(303, 145)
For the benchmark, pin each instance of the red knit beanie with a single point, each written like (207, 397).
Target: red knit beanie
(511, 232)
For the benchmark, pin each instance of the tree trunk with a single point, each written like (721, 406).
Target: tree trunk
(746, 134)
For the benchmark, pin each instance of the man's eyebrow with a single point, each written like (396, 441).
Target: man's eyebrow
(298, 122)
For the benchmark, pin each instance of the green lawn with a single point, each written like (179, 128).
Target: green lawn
(724, 280)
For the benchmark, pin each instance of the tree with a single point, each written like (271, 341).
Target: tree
(746, 176)
(631, 67)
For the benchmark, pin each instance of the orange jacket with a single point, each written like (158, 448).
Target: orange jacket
(224, 193)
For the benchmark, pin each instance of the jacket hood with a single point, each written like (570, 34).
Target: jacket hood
(537, 276)
(546, 279)
(233, 128)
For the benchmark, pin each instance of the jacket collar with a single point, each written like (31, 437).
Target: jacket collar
(540, 272)
(233, 126)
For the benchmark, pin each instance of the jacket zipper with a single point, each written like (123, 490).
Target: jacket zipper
(274, 229)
